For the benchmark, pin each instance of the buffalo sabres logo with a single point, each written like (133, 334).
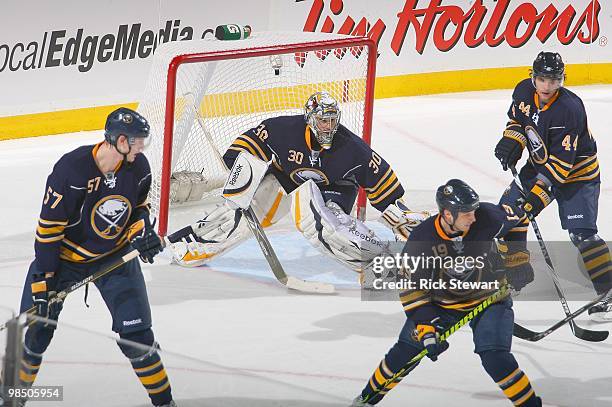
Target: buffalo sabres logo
(110, 216)
(458, 244)
(302, 175)
(537, 149)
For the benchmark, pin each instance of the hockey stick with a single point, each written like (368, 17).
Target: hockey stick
(529, 335)
(277, 269)
(266, 248)
(61, 296)
(581, 333)
(398, 376)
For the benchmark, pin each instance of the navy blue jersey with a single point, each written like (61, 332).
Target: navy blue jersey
(561, 147)
(297, 157)
(429, 240)
(84, 216)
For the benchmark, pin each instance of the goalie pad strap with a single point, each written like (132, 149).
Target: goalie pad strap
(333, 232)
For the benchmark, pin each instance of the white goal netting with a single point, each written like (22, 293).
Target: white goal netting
(223, 88)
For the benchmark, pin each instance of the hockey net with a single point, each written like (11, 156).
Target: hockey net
(202, 94)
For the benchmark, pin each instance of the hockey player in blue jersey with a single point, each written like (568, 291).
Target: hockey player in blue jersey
(321, 163)
(464, 229)
(94, 210)
(551, 121)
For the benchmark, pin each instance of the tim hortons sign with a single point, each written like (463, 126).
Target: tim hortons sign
(446, 24)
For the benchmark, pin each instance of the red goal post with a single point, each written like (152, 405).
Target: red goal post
(223, 96)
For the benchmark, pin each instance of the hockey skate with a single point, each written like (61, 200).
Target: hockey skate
(170, 404)
(602, 311)
(358, 402)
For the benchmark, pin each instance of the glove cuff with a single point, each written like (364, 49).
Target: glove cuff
(136, 229)
(516, 136)
(542, 194)
(517, 259)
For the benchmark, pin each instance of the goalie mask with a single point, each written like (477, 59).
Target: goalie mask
(322, 114)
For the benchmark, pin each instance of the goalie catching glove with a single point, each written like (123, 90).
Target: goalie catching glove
(402, 220)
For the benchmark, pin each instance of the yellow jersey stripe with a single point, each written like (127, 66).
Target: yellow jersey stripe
(561, 162)
(386, 194)
(52, 222)
(587, 178)
(261, 154)
(244, 144)
(383, 187)
(591, 167)
(67, 254)
(80, 249)
(49, 239)
(41, 230)
(380, 181)
(584, 162)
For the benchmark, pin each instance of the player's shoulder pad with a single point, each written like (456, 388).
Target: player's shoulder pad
(523, 90)
(488, 213)
(284, 123)
(347, 140)
(70, 165)
(141, 163)
(424, 231)
(573, 107)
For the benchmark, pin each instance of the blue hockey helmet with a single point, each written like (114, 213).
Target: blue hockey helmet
(548, 65)
(127, 122)
(457, 196)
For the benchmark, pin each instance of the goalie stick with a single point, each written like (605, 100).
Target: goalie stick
(443, 337)
(529, 335)
(266, 248)
(581, 333)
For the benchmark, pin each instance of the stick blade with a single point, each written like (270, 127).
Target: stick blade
(580, 333)
(314, 287)
(589, 335)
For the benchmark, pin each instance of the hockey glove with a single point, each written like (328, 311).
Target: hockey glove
(43, 295)
(513, 263)
(509, 149)
(402, 220)
(142, 237)
(536, 200)
(429, 337)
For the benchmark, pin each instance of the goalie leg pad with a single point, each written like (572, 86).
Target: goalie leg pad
(333, 232)
(270, 203)
(222, 228)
